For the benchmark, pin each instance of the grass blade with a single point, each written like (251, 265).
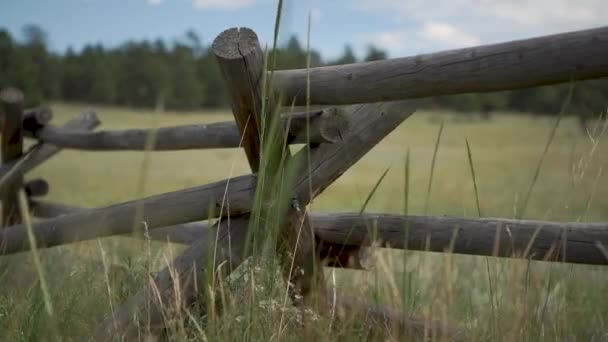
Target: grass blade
(406, 280)
(373, 191)
(428, 190)
(565, 105)
(470, 158)
(25, 215)
(488, 270)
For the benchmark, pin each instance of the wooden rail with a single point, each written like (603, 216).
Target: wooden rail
(36, 187)
(572, 242)
(326, 126)
(370, 123)
(241, 61)
(41, 152)
(524, 63)
(44, 209)
(34, 119)
(11, 103)
(161, 210)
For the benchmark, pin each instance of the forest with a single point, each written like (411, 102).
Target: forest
(183, 75)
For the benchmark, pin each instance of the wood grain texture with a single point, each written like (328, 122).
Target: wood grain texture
(326, 126)
(11, 105)
(186, 205)
(182, 206)
(572, 242)
(41, 152)
(36, 187)
(370, 124)
(364, 118)
(241, 62)
(329, 125)
(46, 209)
(34, 119)
(538, 240)
(518, 64)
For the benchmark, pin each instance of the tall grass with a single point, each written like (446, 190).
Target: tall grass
(531, 300)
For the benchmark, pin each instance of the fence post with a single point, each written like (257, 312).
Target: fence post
(241, 62)
(11, 101)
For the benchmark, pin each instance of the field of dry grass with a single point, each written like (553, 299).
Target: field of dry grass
(496, 299)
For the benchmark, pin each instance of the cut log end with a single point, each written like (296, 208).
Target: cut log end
(36, 187)
(90, 118)
(235, 43)
(43, 115)
(11, 95)
(335, 125)
(36, 118)
(329, 125)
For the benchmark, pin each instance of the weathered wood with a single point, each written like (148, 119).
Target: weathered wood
(38, 115)
(571, 242)
(36, 187)
(366, 133)
(370, 124)
(198, 203)
(328, 161)
(11, 104)
(525, 63)
(242, 64)
(539, 240)
(41, 152)
(45, 209)
(34, 119)
(241, 60)
(188, 233)
(326, 126)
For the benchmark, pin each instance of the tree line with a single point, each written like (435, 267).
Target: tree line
(183, 75)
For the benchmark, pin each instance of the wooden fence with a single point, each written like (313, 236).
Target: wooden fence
(369, 100)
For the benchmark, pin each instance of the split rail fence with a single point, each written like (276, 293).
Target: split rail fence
(365, 102)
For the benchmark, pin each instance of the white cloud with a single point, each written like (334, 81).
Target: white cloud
(391, 40)
(429, 37)
(316, 14)
(553, 13)
(447, 36)
(226, 5)
(414, 9)
(154, 2)
(495, 20)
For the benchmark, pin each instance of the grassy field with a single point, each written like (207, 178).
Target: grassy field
(493, 299)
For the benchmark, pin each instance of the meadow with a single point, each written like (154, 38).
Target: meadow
(493, 299)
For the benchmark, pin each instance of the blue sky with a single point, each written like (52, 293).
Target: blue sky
(403, 27)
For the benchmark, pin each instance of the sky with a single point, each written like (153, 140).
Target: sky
(402, 27)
